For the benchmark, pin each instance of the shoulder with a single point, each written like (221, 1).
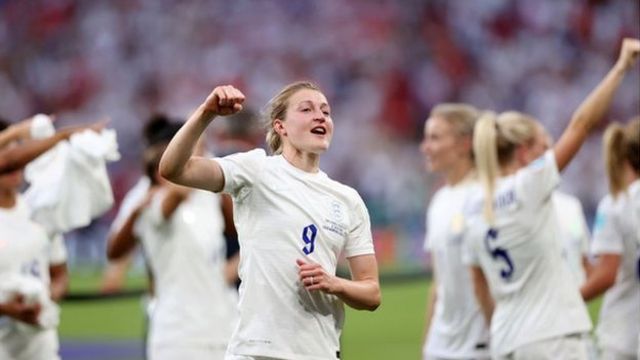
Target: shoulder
(564, 200)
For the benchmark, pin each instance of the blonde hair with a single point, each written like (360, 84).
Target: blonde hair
(621, 144)
(461, 116)
(495, 140)
(276, 108)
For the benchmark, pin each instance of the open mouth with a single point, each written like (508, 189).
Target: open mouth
(319, 130)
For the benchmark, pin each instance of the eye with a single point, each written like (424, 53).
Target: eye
(326, 113)
(305, 109)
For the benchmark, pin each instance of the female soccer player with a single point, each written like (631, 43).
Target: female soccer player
(455, 327)
(181, 231)
(29, 254)
(293, 222)
(615, 243)
(512, 240)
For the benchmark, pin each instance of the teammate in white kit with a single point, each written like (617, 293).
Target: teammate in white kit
(455, 327)
(293, 223)
(181, 231)
(27, 251)
(616, 237)
(512, 238)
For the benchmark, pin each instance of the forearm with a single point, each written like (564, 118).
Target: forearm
(597, 284)
(181, 148)
(359, 294)
(17, 157)
(122, 242)
(486, 304)
(592, 109)
(9, 135)
(59, 286)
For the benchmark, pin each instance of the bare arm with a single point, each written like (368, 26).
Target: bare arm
(17, 309)
(483, 295)
(174, 196)
(18, 131)
(178, 163)
(14, 158)
(231, 269)
(592, 109)
(114, 275)
(602, 277)
(362, 292)
(121, 243)
(59, 281)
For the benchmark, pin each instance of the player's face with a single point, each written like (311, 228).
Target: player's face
(441, 145)
(308, 126)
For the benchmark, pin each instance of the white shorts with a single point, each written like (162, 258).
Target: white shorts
(175, 352)
(571, 347)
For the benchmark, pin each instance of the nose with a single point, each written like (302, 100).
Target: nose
(318, 115)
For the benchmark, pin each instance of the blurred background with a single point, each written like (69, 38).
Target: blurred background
(382, 65)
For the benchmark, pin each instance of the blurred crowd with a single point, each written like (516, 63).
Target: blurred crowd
(383, 65)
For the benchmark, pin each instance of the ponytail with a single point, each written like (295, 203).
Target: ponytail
(621, 145)
(614, 158)
(485, 151)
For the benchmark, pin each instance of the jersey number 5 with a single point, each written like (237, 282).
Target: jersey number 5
(498, 253)
(309, 237)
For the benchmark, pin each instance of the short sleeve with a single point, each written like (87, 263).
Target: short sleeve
(57, 250)
(360, 240)
(607, 238)
(241, 170)
(536, 181)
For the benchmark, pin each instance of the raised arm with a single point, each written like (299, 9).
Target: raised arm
(179, 164)
(592, 109)
(16, 157)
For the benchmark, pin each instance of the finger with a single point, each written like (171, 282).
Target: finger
(300, 262)
(225, 98)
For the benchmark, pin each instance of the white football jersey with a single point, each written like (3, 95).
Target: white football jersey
(458, 329)
(193, 304)
(521, 257)
(574, 233)
(25, 249)
(282, 214)
(616, 231)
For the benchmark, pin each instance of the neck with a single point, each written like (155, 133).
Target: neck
(510, 168)
(304, 161)
(629, 175)
(7, 198)
(458, 172)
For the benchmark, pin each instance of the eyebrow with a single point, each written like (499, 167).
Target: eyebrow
(309, 102)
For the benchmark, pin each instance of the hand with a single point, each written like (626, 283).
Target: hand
(313, 277)
(628, 53)
(224, 100)
(18, 310)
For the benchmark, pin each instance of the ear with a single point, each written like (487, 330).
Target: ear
(522, 155)
(278, 125)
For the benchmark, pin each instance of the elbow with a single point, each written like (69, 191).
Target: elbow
(374, 302)
(167, 171)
